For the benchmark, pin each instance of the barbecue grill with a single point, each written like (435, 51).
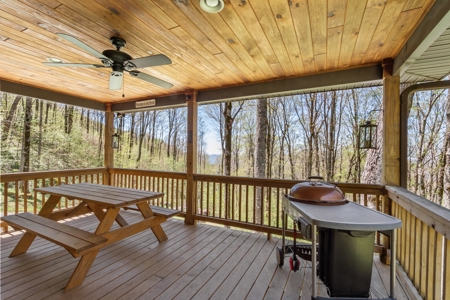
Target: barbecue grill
(346, 237)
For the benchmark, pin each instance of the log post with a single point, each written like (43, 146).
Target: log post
(391, 141)
(191, 159)
(109, 151)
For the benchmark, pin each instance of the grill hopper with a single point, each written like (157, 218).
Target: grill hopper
(316, 192)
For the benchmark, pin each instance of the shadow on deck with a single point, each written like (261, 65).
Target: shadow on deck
(197, 262)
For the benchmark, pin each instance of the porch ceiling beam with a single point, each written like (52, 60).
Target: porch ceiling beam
(329, 80)
(34, 92)
(436, 21)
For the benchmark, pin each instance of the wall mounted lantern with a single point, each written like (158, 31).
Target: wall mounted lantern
(115, 137)
(368, 134)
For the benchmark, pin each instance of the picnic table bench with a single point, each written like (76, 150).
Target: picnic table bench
(105, 202)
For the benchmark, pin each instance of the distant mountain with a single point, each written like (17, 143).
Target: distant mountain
(214, 158)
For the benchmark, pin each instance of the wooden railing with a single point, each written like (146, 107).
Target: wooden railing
(423, 243)
(423, 246)
(232, 200)
(18, 189)
(172, 184)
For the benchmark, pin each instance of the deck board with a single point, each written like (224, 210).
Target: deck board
(197, 262)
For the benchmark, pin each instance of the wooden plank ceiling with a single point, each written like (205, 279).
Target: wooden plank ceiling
(248, 41)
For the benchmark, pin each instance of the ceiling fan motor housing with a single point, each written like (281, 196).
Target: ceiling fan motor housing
(118, 58)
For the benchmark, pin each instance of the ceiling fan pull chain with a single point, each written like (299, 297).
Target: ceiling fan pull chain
(123, 87)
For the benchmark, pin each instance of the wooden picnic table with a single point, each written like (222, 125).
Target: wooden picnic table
(105, 202)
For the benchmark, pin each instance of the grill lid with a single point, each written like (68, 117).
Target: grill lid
(316, 192)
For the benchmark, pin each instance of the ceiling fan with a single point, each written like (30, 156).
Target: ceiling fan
(119, 62)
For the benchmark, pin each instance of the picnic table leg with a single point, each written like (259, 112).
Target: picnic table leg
(86, 260)
(147, 212)
(81, 270)
(99, 213)
(27, 239)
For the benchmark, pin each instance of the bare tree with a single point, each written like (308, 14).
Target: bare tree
(260, 151)
(6, 126)
(26, 144)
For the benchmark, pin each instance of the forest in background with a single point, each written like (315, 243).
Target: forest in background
(290, 137)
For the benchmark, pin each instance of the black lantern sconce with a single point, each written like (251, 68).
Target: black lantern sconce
(115, 137)
(115, 141)
(368, 134)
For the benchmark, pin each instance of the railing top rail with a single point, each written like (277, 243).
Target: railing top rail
(374, 189)
(434, 215)
(10, 177)
(164, 174)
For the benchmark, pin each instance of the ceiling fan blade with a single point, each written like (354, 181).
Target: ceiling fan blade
(60, 64)
(82, 45)
(149, 61)
(151, 79)
(115, 80)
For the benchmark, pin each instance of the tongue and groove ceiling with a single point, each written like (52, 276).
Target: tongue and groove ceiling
(249, 42)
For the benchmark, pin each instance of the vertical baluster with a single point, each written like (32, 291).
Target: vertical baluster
(184, 187)
(407, 243)
(438, 260)
(417, 253)
(214, 200)
(220, 200)
(17, 196)
(240, 203)
(233, 204)
(269, 202)
(412, 246)
(377, 207)
(278, 209)
(207, 198)
(262, 205)
(177, 196)
(35, 196)
(431, 265)
(254, 204)
(355, 199)
(25, 196)
(246, 203)
(365, 200)
(424, 261)
(201, 199)
(5, 198)
(446, 278)
(171, 190)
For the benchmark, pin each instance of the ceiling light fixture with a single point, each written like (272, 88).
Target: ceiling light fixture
(212, 6)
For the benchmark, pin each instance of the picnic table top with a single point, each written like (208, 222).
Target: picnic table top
(106, 195)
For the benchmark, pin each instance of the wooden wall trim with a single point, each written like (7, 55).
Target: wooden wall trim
(35, 92)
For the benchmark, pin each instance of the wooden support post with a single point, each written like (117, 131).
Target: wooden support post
(391, 140)
(191, 159)
(109, 151)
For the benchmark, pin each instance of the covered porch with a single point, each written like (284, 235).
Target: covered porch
(223, 57)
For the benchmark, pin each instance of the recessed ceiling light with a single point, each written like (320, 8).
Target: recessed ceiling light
(55, 60)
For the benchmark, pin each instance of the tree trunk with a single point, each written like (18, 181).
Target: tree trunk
(260, 152)
(7, 121)
(41, 108)
(25, 158)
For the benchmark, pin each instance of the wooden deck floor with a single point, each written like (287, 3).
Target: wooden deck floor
(197, 262)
